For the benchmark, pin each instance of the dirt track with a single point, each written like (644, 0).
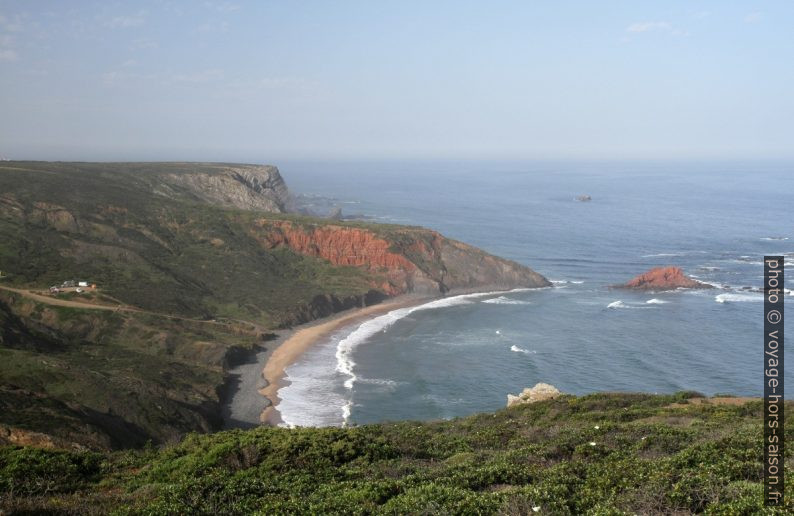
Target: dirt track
(65, 302)
(115, 308)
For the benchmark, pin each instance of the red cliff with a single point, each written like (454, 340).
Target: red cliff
(664, 278)
(399, 260)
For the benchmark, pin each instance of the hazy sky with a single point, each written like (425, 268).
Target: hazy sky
(262, 81)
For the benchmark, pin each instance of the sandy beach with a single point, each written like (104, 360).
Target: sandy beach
(288, 351)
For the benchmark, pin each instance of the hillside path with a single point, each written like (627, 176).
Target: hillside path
(65, 302)
(123, 308)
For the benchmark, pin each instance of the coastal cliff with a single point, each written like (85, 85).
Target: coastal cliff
(245, 187)
(401, 260)
(193, 263)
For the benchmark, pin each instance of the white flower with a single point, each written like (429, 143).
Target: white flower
(596, 427)
(536, 508)
(592, 443)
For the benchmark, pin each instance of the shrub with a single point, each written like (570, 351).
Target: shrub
(32, 471)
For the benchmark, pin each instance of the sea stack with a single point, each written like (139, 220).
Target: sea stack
(663, 278)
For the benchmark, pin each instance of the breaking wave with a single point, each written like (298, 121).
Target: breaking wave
(502, 300)
(738, 298)
(662, 255)
(621, 304)
(521, 350)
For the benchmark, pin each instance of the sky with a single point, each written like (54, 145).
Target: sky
(266, 80)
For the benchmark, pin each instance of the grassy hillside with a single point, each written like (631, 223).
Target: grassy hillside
(118, 379)
(105, 379)
(598, 454)
(112, 224)
(196, 277)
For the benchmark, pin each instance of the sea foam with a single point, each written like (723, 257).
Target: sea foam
(662, 255)
(502, 300)
(307, 400)
(621, 304)
(521, 350)
(738, 298)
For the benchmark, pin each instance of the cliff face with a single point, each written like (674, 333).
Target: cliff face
(404, 260)
(246, 187)
(663, 278)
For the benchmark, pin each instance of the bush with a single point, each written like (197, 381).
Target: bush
(32, 471)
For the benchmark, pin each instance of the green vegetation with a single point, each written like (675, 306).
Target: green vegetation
(153, 247)
(597, 454)
(205, 280)
(107, 379)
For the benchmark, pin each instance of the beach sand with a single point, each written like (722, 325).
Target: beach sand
(302, 339)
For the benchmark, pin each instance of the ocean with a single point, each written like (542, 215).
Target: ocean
(461, 355)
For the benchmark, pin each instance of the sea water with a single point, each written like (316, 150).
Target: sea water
(464, 354)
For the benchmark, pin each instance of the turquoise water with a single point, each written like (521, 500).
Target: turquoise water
(463, 355)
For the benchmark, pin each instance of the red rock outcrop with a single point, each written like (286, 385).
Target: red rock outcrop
(400, 260)
(341, 245)
(664, 278)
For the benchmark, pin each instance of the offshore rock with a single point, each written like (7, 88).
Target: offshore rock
(663, 278)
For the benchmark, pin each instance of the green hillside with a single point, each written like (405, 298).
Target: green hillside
(598, 454)
(196, 274)
(110, 380)
(155, 248)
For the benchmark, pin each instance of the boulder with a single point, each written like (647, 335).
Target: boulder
(540, 392)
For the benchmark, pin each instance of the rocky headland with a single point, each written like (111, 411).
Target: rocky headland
(245, 187)
(400, 260)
